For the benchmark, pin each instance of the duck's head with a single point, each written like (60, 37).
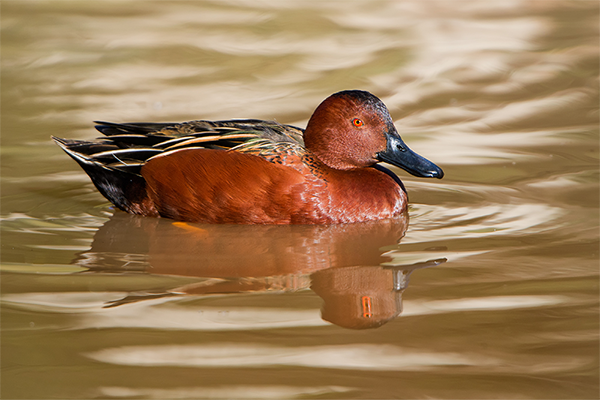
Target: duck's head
(353, 129)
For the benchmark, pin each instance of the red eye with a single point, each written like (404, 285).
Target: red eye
(357, 122)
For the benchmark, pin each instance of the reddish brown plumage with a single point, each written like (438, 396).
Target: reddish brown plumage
(229, 187)
(257, 172)
(218, 186)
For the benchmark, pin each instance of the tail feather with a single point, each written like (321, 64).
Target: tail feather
(126, 190)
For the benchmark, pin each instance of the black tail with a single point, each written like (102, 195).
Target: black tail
(126, 190)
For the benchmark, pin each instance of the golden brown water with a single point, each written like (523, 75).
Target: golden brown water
(492, 291)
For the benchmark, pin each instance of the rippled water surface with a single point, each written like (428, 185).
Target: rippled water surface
(488, 290)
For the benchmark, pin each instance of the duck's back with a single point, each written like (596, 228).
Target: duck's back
(128, 146)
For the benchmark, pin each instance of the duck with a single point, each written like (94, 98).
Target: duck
(251, 171)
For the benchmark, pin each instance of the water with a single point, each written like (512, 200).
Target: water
(488, 290)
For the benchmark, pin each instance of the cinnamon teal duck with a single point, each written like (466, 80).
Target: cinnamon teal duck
(249, 171)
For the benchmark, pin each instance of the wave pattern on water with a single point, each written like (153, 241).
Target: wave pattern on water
(501, 254)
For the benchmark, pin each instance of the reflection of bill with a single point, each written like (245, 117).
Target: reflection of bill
(233, 259)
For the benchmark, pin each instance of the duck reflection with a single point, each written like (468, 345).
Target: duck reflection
(340, 263)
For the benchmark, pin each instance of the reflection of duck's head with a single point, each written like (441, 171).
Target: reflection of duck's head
(357, 297)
